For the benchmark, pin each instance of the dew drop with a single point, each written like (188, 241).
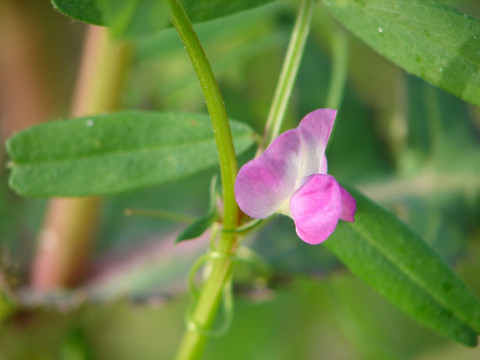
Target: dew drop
(380, 30)
(440, 69)
(89, 122)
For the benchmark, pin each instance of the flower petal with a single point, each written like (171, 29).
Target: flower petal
(324, 165)
(315, 129)
(318, 205)
(349, 206)
(264, 184)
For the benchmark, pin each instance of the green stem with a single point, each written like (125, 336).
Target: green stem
(288, 73)
(210, 295)
(216, 109)
(338, 76)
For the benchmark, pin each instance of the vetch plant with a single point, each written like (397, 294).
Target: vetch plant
(391, 144)
(291, 178)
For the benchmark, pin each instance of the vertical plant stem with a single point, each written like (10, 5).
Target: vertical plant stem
(209, 298)
(288, 73)
(216, 109)
(65, 240)
(338, 76)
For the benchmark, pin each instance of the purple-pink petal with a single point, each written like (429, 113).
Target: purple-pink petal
(318, 205)
(315, 129)
(324, 165)
(349, 206)
(290, 177)
(267, 182)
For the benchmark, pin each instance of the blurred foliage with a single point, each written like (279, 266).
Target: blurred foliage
(405, 144)
(308, 319)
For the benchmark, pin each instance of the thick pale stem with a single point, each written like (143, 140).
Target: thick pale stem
(66, 236)
(206, 307)
(102, 73)
(24, 65)
(288, 73)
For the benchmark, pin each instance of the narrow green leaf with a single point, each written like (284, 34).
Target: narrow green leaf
(142, 17)
(424, 37)
(400, 266)
(107, 154)
(198, 227)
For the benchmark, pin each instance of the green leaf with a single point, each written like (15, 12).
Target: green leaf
(142, 17)
(133, 17)
(83, 10)
(203, 10)
(400, 266)
(198, 227)
(107, 154)
(424, 37)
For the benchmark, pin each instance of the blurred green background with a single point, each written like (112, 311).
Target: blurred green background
(407, 145)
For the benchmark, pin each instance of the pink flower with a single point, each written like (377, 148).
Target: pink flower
(291, 178)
